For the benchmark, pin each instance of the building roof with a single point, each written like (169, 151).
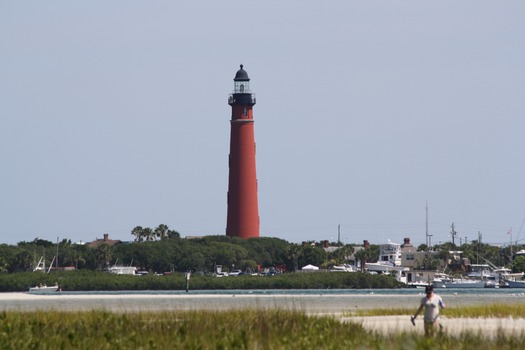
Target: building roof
(104, 240)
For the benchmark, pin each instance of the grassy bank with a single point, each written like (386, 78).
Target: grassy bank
(96, 280)
(486, 310)
(247, 329)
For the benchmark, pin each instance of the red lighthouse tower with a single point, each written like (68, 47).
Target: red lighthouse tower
(243, 207)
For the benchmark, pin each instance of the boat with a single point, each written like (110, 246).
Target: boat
(515, 284)
(464, 283)
(418, 284)
(343, 267)
(123, 270)
(494, 277)
(389, 262)
(439, 280)
(43, 289)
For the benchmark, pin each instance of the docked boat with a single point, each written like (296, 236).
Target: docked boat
(418, 284)
(123, 270)
(389, 262)
(464, 283)
(343, 267)
(440, 279)
(515, 284)
(43, 289)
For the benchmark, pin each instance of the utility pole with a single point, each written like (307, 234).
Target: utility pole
(479, 245)
(511, 253)
(339, 235)
(426, 225)
(57, 255)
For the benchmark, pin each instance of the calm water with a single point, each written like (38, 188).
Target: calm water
(298, 292)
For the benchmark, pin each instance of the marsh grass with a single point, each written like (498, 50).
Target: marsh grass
(486, 310)
(236, 329)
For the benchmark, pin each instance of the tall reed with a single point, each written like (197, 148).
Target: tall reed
(236, 329)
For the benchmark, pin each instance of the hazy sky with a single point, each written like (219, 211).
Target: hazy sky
(114, 114)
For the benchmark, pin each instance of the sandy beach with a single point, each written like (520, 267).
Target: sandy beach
(486, 327)
(339, 306)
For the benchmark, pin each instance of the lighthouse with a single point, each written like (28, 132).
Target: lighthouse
(243, 208)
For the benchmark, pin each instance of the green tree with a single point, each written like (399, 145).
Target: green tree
(148, 234)
(138, 232)
(293, 253)
(341, 255)
(172, 234)
(161, 232)
(103, 255)
(312, 255)
(363, 256)
(518, 264)
(22, 262)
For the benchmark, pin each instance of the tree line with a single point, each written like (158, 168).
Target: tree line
(163, 250)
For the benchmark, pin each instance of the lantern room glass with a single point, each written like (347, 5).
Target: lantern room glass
(241, 87)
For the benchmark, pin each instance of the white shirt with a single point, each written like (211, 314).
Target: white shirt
(432, 306)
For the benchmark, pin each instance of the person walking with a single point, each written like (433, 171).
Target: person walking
(431, 302)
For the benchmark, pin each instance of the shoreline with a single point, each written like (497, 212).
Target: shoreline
(310, 303)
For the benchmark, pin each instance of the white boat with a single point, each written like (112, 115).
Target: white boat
(494, 277)
(123, 270)
(343, 267)
(464, 283)
(43, 289)
(418, 284)
(389, 262)
(439, 280)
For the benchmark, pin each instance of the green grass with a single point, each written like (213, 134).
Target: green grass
(487, 310)
(239, 329)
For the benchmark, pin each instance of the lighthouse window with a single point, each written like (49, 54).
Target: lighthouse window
(245, 111)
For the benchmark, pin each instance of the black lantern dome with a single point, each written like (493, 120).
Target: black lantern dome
(241, 75)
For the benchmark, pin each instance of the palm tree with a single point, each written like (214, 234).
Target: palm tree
(138, 232)
(363, 256)
(173, 234)
(148, 234)
(293, 253)
(103, 255)
(161, 232)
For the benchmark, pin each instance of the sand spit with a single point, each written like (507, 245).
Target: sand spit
(486, 327)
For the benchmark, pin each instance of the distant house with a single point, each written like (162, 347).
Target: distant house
(104, 240)
(414, 260)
